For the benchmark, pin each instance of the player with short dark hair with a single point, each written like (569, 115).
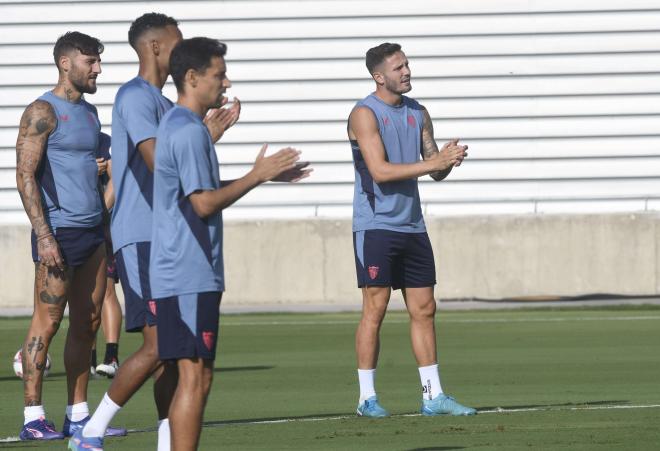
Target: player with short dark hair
(56, 177)
(138, 109)
(388, 132)
(186, 264)
(139, 106)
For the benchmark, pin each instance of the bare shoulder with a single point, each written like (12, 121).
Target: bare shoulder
(38, 119)
(362, 119)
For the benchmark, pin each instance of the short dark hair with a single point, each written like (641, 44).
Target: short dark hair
(74, 40)
(146, 22)
(377, 55)
(196, 54)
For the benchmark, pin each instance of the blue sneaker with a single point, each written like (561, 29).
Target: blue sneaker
(40, 430)
(70, 428)
(445, 405)
(80, 443)
(370, 408)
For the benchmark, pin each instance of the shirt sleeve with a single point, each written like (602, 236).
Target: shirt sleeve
(140, 115)
(192, 150)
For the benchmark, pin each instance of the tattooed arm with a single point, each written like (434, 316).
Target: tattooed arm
(430, 148)
(37, 123)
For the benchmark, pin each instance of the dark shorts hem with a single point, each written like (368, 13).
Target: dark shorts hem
(191, 322)
(393, 259)
(77, 244)
(132, 263)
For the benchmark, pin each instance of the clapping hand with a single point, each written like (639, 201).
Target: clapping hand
(219, 120)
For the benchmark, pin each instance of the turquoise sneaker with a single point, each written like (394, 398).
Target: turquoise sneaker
(80, 443)
(445, 405)
(370, 408)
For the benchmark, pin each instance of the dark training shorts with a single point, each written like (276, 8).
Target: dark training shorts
(393, 259)
(188, 325)
(132, 263)
(77, 244)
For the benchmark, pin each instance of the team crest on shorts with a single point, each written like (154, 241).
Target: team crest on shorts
(152, 307)
(373, 272)
(208, 338)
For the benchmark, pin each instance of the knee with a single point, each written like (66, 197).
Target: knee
(373, 315)
(424, 310)
(207, 381)
(84, 331)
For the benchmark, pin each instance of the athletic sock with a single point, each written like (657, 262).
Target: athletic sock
(367, 380)
(164, 435)
(99, 422)
(93, 359)
(111, 352)
(78, 411)
(430, 378)
(32, 413)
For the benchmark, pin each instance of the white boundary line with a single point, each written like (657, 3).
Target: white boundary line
(348, 417)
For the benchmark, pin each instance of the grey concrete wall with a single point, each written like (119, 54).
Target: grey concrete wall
(493, 257)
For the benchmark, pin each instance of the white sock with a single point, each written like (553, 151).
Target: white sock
(164, 435)
(367, 380)
(32, 413)
(78, 411)
(430, 378)
(99, 422)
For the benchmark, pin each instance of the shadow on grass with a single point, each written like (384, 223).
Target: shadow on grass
(436, 448)
(566, 404)
(215, 370)
(227, 369)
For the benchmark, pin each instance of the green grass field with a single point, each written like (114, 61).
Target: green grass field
(566, 379)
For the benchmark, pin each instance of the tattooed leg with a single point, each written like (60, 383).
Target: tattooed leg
(50, 290)
(86, 299)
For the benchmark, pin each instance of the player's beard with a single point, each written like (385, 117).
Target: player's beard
(82, 82)
(218, 101)
(397, 87)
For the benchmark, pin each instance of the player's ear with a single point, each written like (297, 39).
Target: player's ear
(378, 78)
(155, 47)
(192, 78)
(64, 63)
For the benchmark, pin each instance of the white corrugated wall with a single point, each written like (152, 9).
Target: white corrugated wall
(558, 100)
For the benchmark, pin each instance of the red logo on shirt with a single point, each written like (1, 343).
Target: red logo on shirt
(411, 121)
(64, 117)
(373, 272)
(152, 307)
(209, 338)
(386, 120)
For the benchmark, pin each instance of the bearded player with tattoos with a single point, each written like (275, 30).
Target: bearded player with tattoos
(56, 176)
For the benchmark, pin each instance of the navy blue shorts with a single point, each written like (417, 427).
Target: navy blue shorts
(77, 244)
(188, 325)
(393, 259)
(132, 263)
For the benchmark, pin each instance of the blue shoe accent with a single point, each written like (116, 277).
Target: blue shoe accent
(40, 430)
(370, 408)
(70, 428)
(80, 443)
(445, 405)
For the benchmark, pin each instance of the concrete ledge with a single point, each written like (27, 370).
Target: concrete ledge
(279, 264)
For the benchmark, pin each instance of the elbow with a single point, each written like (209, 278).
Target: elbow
(201, 210)
(380, 177)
